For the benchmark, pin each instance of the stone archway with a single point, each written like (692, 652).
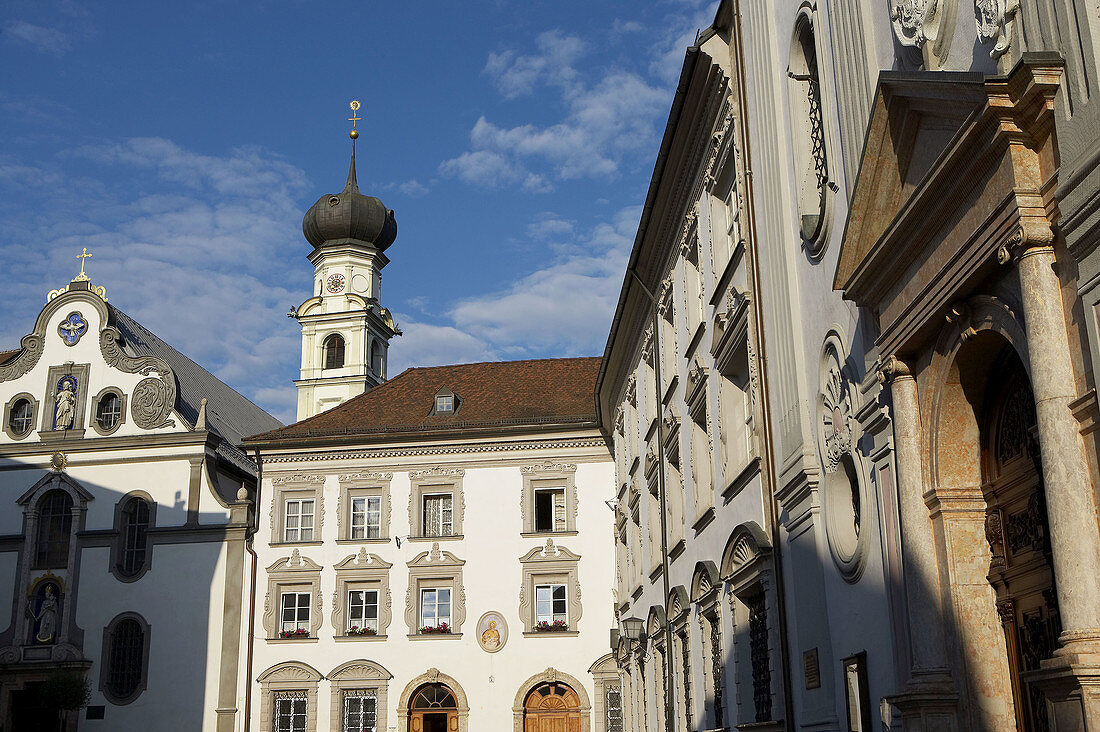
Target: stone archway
(553, 676)
(434, 676)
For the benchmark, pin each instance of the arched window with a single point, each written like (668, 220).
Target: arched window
(108, 411)
(135, 539)
(55, 524)
(433, 696)
(124, 673)
(812, 172)
(376, 359)
(334, 352)
(22, 417)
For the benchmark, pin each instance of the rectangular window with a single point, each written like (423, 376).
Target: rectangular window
(435, 607)
(550, 604)
(550, 509)
(290, 712)
(366, 517)
(444, 404)
(362, 611)
(360, 710)
(759, 655)
(295, 612)
(438, 515)
(298, 520)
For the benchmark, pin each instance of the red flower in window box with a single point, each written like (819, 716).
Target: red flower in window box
(441, 628)
(365, 630)
(297, 633)
(545, 626)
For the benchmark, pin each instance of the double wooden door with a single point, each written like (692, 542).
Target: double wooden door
(552, 707)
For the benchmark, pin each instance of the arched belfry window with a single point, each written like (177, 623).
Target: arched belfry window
(135, 536)
(808, 130)
(55, 525)
(334, 352)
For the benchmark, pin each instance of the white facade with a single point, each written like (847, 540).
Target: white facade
(491, 564)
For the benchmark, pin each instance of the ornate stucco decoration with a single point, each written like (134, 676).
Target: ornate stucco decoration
(548, 468)
(836, 411)
(153, 398)
(918, 23)
(305, 479)
(996, 23)
(620, 421)
(436, 472)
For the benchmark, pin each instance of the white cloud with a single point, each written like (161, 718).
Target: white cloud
(516, 75)
(413, 188)
(47, 40)
(424, 344)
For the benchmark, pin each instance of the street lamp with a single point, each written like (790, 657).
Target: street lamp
(633, 628)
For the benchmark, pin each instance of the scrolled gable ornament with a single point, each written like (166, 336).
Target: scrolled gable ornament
(996, 24)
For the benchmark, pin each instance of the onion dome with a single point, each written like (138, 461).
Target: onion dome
(350, 215)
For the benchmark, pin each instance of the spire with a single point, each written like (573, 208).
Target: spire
(353, 134)
(352, 182)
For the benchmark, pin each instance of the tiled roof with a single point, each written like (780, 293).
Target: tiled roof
(491, 395)
(6, 356)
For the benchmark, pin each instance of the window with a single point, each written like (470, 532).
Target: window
(366, 517)
(55, 523)
(362, 612)
(376, 359)
(435, 607)
(291, 709)
(809, 133)
(435, 595)
(125, 659)
(295, 614)
(438, 516)
(21, 417)
(550, 605)
(334, 352)
(298, 520)
(108, 411)
(758, 654)
(550, 509)
(135, 537)
(444, 403)
(360, 710)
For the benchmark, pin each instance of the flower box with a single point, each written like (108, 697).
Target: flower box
(429, 629)
(299, 633)
(545, 626)
(365, 630)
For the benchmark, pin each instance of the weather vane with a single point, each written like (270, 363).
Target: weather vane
(354, 118)
(82, 256)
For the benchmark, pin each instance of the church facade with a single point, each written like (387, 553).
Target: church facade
(123, 541)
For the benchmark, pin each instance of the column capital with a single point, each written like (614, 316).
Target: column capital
(1032, 236)
(893, 368)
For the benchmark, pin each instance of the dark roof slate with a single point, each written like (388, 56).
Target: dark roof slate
(490, 395)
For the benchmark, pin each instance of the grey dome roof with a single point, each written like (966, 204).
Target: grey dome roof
(350, 215)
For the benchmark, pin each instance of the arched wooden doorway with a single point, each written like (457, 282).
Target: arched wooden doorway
(552, 707)
(433, 709)
(1018, 534)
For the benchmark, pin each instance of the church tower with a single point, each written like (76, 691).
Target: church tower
(345, 330)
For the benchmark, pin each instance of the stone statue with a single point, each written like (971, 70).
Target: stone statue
(47, 617)
(65, 411)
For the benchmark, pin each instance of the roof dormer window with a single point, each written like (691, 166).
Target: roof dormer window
(446, 402)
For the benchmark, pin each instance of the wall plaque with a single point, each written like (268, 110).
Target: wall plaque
(810, 669)
(492, 632)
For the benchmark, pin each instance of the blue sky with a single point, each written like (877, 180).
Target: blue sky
(181, 143)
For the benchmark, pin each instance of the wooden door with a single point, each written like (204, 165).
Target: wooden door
(552, 707)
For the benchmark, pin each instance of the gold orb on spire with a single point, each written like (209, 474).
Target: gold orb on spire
(354, 134)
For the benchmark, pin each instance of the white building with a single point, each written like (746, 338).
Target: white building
(434, 555)
(122, 542)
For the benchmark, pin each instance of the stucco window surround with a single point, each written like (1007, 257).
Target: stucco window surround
(118, 547)
(678, 613)
(608, 682)
(292, 574)
(364, 485)
(433, 482)
(361, 571)
(121, 396)
(548, 477)
(551, 676)
(435, 569)
(434, 676)
(815, 188)
(359, 675)
(549, 565)
(847, 501)
(706, 587)
(735, 381)
(702, 470)
(293, 679)
(108, 658)
(725, 203)
(747, 570)
(296, 487)
(8, 414)
(694, 301)
(655, 632)
(667, 334)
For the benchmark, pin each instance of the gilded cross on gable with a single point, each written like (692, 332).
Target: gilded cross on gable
(82, 256)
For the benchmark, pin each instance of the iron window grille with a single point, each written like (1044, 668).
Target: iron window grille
(291, 711)
(135, 536)
(759, 656)
(360, 710)
(126, 658)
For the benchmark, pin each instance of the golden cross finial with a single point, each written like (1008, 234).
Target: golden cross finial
(82, 256)
(354, 118)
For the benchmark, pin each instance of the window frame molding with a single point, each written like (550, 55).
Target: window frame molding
(355, 485)
(606, 675)
(292, 574)
(291, 486)
(550, 564)
(118, 547)
(94, 415)
(706, 586)
(359, 674)
(343, 351)
(105, 667)
(289, 676)
(552, 676)
(354, 572)
(35, 411)
(435, 568)
(427, 481)
(558, 475)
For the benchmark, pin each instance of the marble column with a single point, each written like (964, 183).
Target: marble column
(1071, 513)
(929, 697)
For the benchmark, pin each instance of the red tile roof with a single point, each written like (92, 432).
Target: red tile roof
(492, 395)
(6, 356)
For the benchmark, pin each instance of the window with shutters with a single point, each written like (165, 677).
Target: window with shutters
(334, 352)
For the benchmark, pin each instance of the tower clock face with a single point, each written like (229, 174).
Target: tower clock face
(335, 283)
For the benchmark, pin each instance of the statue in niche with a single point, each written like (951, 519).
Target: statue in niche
(45, 614)
(65, 409)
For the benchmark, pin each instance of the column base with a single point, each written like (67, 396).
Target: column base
(1071, 684)
(928, 705)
